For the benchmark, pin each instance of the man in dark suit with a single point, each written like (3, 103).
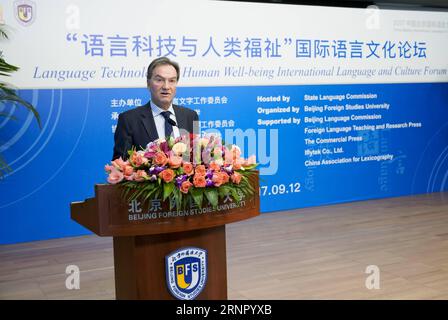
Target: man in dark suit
(158, 118)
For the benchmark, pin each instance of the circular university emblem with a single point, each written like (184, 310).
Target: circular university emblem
(186, 272)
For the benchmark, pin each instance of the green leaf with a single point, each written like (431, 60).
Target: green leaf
(223, 191)
(235, 194)
(150, 192)
(251, 167)
(186, 200)
(6, 67)
(198, 195)
(170, 141)
(177, 195)
(167, 190)
(16, 99)
(3, 32)
(212, 196)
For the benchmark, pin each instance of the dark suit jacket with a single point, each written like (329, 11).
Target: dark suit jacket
(136, 128)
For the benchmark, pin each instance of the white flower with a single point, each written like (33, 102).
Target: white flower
(179, 148)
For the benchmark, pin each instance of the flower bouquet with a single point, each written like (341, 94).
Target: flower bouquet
(185, 169)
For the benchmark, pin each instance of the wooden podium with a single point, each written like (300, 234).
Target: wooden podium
(144, 235)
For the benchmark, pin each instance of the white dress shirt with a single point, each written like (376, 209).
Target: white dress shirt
(160, 120)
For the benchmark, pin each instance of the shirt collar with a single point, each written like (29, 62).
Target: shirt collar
(156, 110)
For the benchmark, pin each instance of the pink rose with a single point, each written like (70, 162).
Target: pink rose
(152, 146)
(140, 175)
(185, 186)
(138, 159)
(119, 163)
(175, 161)
(115, 176)
(236, 177)
(108, 168)
(128, 170)
(130, 177)
(150, 154)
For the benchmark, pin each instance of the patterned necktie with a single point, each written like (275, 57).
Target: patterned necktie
(168, 126)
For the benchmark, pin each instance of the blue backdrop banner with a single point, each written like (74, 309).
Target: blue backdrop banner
(316, 144)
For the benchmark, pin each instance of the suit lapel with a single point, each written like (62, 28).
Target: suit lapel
(148, 122)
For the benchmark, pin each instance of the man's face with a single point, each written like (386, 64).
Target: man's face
(162, 85)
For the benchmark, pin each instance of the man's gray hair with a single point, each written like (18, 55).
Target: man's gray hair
(160, 62)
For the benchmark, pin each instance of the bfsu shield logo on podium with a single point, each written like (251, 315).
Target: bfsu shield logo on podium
(186, 272)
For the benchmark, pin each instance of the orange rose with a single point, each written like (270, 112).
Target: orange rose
(236, 177)
(138, 159)
(185, 186)
(200, 170)
(214, 166)
(128, 170)
(199, 181)
(140, 175)
(217, 179)
(188, 168)
(160, 159)
(120, 164)
(167, 175)
(225, 177)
